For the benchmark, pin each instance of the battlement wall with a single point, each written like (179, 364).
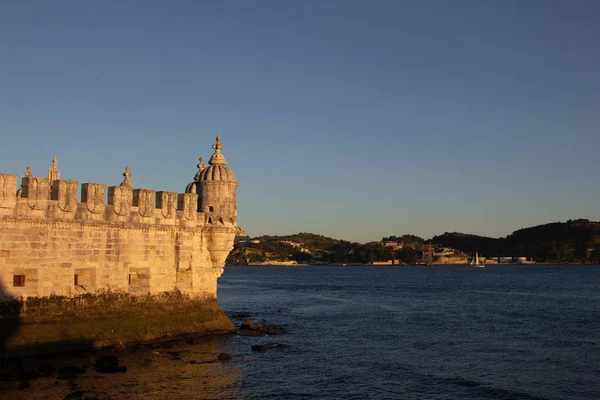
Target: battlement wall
(39, 200)
(119, 238)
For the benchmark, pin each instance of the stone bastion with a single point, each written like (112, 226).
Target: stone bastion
(138, 243)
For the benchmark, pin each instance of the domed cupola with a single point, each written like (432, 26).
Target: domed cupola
(193, 187)
(218, 171)
(216, 187)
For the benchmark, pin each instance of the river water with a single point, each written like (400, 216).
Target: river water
(500, 332)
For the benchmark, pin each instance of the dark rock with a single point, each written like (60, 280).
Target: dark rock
(91, 398)
(46, 369)
(274, 329)
(167, 345)
(259, 347)
(192, 341)
(283, 345)
(224, 357)
(251, 326)
(24, 385)
(69, 372)
(109, 363)
(74, 395)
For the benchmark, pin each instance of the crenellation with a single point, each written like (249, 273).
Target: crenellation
(93, 195)
(144, 199)
(35, 191)
(116, 237)
(121, 200)
(63, 204)
(8, 193)
(166, 202)
(187, 203)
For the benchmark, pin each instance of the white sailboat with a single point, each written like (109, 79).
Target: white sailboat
(475, 262)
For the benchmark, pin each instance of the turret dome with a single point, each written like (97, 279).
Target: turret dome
(217, 171)
(192, 187)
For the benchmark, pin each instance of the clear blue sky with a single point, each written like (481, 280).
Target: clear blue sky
(352, 119)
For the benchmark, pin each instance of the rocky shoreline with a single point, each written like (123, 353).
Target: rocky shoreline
(41, 326)
(127, 371)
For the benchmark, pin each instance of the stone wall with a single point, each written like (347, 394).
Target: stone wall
(57, 324)
(124, 239)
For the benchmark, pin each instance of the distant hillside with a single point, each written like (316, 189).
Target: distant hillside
(486, 246)
(571, 241)
(304, 248)
(574, 241)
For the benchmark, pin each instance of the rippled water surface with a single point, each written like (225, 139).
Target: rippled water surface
(502, 332)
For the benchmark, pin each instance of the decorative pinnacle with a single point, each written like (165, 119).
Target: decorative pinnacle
(126, 181)
(53, 174)
(217, 157)
(28, 171)
(201, 167)
(218, 145)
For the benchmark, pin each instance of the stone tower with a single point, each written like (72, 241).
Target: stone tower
(216, 188)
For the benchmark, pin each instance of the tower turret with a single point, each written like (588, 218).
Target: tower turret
(218, 190)
(216, 187)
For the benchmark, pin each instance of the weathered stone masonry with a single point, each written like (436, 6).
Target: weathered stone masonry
(119, 238)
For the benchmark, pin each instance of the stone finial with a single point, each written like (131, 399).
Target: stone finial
(217, 158)
(126, 181)
(201, 167)
(53, 174)
(28, 172)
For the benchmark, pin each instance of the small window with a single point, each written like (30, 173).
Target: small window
(211, 209)
(18, 280)
(210, 220)
(76, 280)
(133, 279)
